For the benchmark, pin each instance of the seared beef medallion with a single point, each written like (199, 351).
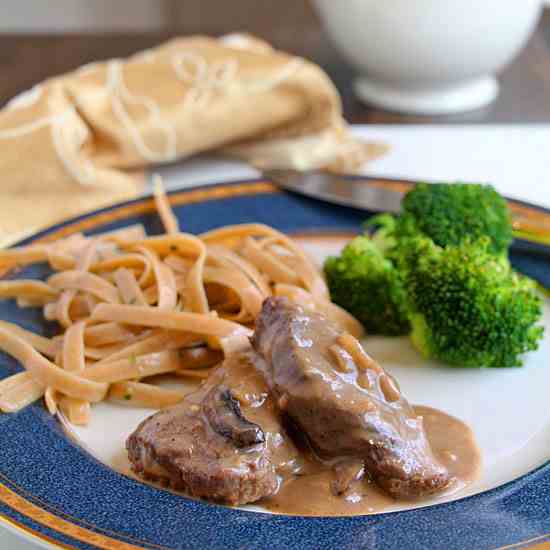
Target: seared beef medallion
(343, 400)
(223, 442)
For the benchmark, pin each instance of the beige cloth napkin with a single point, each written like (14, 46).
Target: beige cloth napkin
(68, 145)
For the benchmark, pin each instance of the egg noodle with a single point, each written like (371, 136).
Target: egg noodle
(131, 307)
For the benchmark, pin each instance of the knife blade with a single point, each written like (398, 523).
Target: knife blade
(355, 192)
(364, 193)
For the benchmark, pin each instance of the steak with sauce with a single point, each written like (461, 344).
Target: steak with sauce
(223, 442)
(345, 407)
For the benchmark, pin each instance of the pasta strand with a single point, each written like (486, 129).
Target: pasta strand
(46, 372)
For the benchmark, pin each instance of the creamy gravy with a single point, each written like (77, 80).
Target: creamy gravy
(307, 483)
(452, 443)
(310, 493)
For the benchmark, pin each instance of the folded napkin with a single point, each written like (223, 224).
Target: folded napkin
(71, 143)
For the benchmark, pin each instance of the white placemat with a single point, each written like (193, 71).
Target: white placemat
(513, 158)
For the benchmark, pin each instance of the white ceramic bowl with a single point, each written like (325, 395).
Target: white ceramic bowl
(429, 56)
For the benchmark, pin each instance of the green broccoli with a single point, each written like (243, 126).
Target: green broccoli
(367, 284)
(440, 268)
(468, 307)
(449, 213)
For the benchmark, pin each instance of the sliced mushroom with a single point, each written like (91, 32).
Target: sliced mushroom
(224, 415)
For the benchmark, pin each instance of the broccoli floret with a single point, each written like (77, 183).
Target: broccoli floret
(382, 229)
(467, 306)
(367, 284)
(449, 213)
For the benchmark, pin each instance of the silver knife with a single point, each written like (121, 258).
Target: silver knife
(362, 192)
(359, 192)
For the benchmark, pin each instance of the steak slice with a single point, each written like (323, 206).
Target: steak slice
(224, 442)
(347, 405)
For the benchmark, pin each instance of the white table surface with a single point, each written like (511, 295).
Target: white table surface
(513, 158)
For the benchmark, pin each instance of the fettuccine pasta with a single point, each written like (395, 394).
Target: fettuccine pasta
(132, 307)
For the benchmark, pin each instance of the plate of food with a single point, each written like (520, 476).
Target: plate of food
(235, 366)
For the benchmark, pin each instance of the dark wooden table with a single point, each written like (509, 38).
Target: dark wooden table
(524, 97)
